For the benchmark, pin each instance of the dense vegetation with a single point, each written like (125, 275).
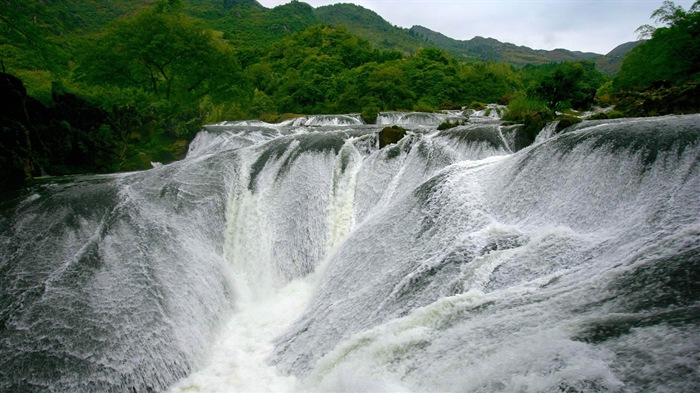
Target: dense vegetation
(112, 88)
(662, 75)
(671, 55)
(372, 27)
(489, 49)
(380, 33)
(658, 76)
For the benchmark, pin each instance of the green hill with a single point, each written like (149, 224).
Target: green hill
(372, 27)
(612, 62)
(489, 49)
(382, 34)
(251, 28)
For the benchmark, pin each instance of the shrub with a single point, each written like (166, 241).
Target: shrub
(273, 118)
(369, 114)
(423, 106)
(522, 108)
(532, 113)
(567, 121)
(477, 106)
(599, 116)
(615, 114)
(447, 124)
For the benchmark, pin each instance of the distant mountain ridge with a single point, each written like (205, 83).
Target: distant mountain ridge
(611, 62)
(372, 27)
(490, 49)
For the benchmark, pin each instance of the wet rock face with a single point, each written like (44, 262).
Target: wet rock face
(16, 156)
(71, 135)
(390, 135)
(12, 96)
(661, 99)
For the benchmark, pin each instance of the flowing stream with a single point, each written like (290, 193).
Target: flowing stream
(302, 257)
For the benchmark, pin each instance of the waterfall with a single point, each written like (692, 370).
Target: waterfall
(416, 118)
(327, 120)
(301, 257)
(547, 132)
(489, 113)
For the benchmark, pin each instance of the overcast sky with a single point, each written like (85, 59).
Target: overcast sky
(585, 25)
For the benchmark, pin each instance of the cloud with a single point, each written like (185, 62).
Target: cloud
(584, 25)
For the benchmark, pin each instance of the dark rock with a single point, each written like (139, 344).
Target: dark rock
(661, 99)
(566, 121)
(391, 135)
(447, 124)
(12, 99)
(71, 136)
(78, 112)
(17, 157)
(532, 124)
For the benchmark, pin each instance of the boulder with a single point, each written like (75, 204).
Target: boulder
(391, 135)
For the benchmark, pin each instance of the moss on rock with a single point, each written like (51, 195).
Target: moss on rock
(369, 114)
(566, 121)
(391, 135)
(447, 124)
(278, 118)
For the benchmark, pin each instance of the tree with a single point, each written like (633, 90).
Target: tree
(668, 14)
(161, 51)
(569, 84)
(31, 26)
(487, 82)
(672, 55)
(389, 84)
(261, 104)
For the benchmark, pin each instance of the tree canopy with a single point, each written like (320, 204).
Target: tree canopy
(672, 55)
(161, 51)
(569, 85)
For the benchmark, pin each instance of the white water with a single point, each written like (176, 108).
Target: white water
(289, 258)
(326, 120)
(518, 346)
(491, 112)
(237, 358)
(413, 118)
(359, 183)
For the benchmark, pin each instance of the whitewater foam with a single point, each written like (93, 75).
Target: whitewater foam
(305, 258)
(237, 358)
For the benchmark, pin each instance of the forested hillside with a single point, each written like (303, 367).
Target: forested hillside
(91, 86)
(610, 63)
(489, 49)
(372, 27)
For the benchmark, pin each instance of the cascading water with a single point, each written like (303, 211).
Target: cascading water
(301, 257)
(415, 118)
(489, 113)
